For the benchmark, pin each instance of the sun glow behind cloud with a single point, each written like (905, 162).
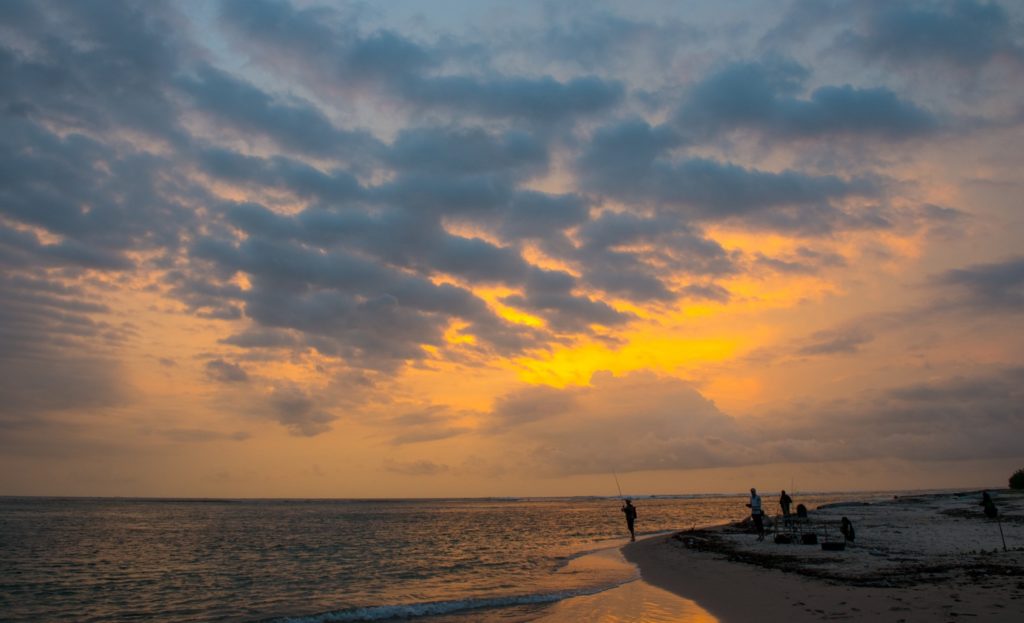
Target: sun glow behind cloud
(240, 240)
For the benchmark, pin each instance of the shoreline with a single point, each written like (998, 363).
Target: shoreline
(918, 558)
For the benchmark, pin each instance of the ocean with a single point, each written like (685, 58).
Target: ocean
(305, 561)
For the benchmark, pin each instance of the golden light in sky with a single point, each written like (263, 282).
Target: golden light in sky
(304, 251)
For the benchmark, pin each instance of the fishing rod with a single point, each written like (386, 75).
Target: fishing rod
(617, 484)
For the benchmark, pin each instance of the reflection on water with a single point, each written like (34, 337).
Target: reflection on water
(173, 561)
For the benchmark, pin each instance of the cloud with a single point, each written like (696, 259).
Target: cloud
(991, 287)
(963, 33)
(64, 50)
(198, 435)
(549, 294)
(299, 412)
(530, 405)
(631, 423)
(226, 372)
(712, 191)
(326, 47)
(432, 423)
(764, 97)
(535, 100)
(56, 349)
(281, 173)
(834, 342)
(709, 291)
(294, 124)
(644, 422)
(466, 151)
(422, 467)
(804, 261)
(953, 418)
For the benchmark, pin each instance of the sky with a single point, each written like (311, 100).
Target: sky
(273, 248)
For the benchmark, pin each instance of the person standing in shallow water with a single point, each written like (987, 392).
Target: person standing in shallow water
(755, 513)
(630, 512)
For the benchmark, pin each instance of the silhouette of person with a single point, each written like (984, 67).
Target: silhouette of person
(630, 511)
(846, 528)
(756, 514)
(784, 502)
(990, 507)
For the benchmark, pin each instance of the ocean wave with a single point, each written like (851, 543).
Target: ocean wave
(436, 608)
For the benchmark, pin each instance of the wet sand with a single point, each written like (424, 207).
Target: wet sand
(923, 558)
(635, 601)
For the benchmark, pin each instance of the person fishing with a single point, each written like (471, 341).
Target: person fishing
(630, 512)
(784, 502)
(992, 513)
(989, 506)
(846, 529)
(756, 513)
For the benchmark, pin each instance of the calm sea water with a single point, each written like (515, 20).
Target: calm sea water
(322, 560)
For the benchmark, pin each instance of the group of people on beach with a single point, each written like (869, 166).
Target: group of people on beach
(785, 502)
(757, 513)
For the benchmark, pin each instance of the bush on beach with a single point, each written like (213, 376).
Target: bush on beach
(1017, 480)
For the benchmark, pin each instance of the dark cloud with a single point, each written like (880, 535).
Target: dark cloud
(294, 124)
(835, 342)
(549, 294)
(530, 405)
(56, 349)
(627, 423)
(964, 33)
(709, 291)
(596, 40)
(709, 190)
(422, 467)
(958, 418)
(466, 151)
(299, 412)
(766, 98)
(100, 200)
(632, 256)
(542, 216)
(281, 173)
(997, 286)
(804, 261)
(93, 65)
(198, 435)
(535, 100)
(275, 31)
(643, 422)
(431, 423)
(226, 372)
(325, 46)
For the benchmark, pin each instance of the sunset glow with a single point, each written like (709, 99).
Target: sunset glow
(262, 248)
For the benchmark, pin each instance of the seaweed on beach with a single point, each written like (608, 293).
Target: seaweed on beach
(903, 572)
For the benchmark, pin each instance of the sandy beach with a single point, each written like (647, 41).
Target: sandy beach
(922, 558)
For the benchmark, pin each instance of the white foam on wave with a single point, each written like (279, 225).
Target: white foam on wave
(608, 567)
(435, 608)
